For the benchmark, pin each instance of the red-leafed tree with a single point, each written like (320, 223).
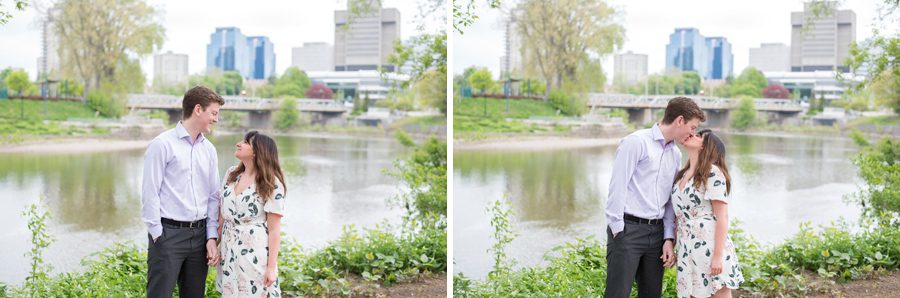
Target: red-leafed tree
(776, 91)
(320, 91)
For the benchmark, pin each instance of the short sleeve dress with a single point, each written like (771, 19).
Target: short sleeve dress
(695, 226)
(244, 246)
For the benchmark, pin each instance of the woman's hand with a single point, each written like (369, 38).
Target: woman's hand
(270, 277)
(715, 267)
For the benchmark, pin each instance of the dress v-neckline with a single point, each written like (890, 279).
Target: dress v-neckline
(238, 180)
(686, 183)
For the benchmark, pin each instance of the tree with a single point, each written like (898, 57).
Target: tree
(6, 16)
(481, 80)
(886, 89)
(287, 115)
(690, 82)
(103, 35)
(745, 114)
(776, 91)
(18, 81)
(432, 90)
(320, 91)
(233, 82)
(294, 83)
(562, 35)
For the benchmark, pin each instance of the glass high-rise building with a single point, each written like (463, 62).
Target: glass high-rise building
(263, 57)
(228, 50)
(686, 51)
(720, 58)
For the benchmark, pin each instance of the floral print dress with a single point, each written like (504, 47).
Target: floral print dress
(244, 246)
(695, 226)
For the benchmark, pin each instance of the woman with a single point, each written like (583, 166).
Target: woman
(707, 265)
(252, 206)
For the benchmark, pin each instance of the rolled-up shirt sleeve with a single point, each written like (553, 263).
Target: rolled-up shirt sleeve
(627, 157)
(155, 159)
(212, 224)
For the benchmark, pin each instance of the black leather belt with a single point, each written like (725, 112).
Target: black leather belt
(184, 224)
(645, 221)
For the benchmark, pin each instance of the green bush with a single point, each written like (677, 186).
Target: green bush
(287, 115)
(571, 105)
(108, 104)
(745, 115)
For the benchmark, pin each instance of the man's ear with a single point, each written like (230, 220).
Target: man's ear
(198, 109)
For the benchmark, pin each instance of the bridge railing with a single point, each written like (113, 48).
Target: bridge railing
(704, 102)
(161, 101)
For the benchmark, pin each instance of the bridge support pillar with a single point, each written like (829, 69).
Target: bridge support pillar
(640, 116)
(260, 119)
(174, 116)
(717, 118)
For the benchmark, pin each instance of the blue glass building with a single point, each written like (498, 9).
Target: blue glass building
(263, 57)
(721, 61)
(228, 50)
(686, 51)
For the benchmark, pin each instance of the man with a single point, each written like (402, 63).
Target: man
(180, 199)
(641, 221)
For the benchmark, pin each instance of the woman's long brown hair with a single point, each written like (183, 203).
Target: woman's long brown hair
(266, 162)
(713, 153)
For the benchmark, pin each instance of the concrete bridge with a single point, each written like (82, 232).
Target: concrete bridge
(260, 109)
(640, 108)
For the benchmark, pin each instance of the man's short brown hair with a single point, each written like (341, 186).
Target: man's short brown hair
(682, 106)
(199, 95)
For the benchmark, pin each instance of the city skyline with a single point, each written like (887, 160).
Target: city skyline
(649, 23)
(187, 34)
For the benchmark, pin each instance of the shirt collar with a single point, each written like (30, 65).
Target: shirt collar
(658, 136)
(183, 133)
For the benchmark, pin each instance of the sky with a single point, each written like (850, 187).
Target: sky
(189, 25)
(647, 23)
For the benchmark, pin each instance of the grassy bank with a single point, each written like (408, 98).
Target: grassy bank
(20, 118)
(474, 118)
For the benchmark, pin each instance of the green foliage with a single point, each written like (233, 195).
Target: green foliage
(287, 115)
(879, 167)
(751, 83)
(481, 80)
(293, 82)
(571, 105)
(503, 235)
(687, 82)
(229, 119)
(104, 41)
(464, 13)
(423, 175)
(224, 83)
(859, 138)
(469, 115)
(745, 115)
(432, 90)
(567, 37)
(18, 81)
(6, 16)
(40, 240)
(109, 104)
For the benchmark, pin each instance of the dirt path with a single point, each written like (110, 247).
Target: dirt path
(885, 285)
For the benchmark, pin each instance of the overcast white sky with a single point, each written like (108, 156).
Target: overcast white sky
(189, 25)
(648, 24)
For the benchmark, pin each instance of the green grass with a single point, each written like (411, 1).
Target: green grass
(34, 110)
(422, 120)
(469, 115)
(518, 108)
(876, 120)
